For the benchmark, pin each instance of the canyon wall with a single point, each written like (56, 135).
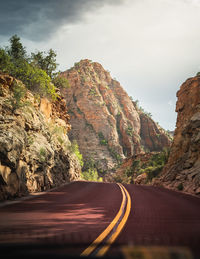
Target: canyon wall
(34, 146)
(182, 171)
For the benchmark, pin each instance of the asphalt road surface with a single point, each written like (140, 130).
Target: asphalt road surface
(101, 219)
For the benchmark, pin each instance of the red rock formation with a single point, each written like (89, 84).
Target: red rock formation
(105, 122)
(153, 137)
(34, 145)
(182, 171)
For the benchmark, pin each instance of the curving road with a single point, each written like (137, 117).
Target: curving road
(96, 219)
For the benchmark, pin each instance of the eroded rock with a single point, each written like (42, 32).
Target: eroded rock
(34, 145)
(183, 167)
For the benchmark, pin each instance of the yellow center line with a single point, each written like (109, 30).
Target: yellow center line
(105, 248)
(100, 238)
(105, 233)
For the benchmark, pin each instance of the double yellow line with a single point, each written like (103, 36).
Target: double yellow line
(103, 242)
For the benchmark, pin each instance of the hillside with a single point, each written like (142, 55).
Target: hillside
(106, 123)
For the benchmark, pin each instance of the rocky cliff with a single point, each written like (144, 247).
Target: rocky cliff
(34, 146)
(105, 122)
(182, 171)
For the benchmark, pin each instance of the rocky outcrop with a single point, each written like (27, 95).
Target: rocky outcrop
(153, 137)
(141, 168)
(182, 171)
(34, 146)
(105, 122)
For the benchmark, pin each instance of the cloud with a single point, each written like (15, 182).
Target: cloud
(38, 19)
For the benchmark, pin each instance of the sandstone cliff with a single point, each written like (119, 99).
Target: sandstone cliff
(34, 146)
(105, 122)
(182, 171)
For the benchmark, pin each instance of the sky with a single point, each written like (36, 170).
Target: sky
(150, 46)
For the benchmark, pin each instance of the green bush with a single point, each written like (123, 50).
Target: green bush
(42, 155)
(102, 139)
(61, 82)
(136, 164)
(129, 172)
(180, 187)
(91, 175)
(153, 172)
(129, 131)
(75, 149)
(16, 101)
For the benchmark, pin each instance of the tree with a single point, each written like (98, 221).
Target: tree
(14, 61)
(6, 65)
(16, 50)
(47, 63)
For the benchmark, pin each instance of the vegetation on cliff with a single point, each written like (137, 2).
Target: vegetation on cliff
(141, 168)
(37, 71)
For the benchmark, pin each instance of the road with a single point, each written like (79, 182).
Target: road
(87, 218)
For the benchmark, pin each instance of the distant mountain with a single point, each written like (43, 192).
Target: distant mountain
(106, 123)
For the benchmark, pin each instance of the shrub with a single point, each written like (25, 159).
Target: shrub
(102, 139)
(75, 149)
(129, 172)
(129, 131)
(91, 175)
(180, 187)
(42, 155)
(153, 172)
(19, 92)
(61, 82)
(115, 155)
(136, 164)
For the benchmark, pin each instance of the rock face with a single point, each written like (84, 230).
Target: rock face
(105, 122)
(34, 146)
(182, 171)
(153, 137)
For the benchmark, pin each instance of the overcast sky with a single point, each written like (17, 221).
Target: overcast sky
(150, 46)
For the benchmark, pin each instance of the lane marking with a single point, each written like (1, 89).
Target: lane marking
(104, 249)
(114, 228)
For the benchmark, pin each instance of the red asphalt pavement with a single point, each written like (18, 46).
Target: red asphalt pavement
(76, 214)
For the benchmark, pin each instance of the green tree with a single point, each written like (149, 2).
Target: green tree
(16, 50)
(47, 62)
(6, 65)
(14, 61)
